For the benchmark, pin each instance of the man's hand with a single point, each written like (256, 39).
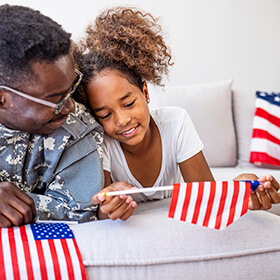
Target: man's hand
(16, 207)
(114, 207)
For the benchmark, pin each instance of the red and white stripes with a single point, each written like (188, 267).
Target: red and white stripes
(23, 257)
(265, 143)
(210, 204)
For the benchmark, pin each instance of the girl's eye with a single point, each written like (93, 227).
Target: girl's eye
(130, 104)
(104, 117)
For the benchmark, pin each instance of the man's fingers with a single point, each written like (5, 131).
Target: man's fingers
(29, 205)
(16, 206)
(15, 217)
(4, 222)
(27, 211)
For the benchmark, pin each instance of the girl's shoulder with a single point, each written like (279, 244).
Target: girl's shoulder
(170, 118)
(168, 113)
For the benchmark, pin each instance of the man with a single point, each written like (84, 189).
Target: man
(50, 147)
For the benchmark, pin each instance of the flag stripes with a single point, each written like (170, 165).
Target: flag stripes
(265, 125)
(262, 134)
(265, 140)
(210, 204)
(44, 251)
(267, 147)
(267, 116)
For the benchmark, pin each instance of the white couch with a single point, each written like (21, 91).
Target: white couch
(151, 246)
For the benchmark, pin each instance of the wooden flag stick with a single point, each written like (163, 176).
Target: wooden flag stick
(254, 185)
(144, 190)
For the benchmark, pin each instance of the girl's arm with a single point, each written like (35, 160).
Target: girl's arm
(107, 179)
(196, 169)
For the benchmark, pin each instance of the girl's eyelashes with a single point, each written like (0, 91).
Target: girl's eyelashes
(109, 114)
(130, 104)
(104, 117)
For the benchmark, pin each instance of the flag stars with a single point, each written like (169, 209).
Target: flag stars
(51, 231)
(270, 97)
(277, 98)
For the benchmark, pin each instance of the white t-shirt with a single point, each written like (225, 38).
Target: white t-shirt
(180, 142)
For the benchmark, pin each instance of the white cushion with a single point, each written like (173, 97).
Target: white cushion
(210, 107)
(244, 109)
(150, 245)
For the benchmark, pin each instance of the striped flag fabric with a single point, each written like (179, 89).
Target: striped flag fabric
(40, 251)
(265, 142)
(210, 204)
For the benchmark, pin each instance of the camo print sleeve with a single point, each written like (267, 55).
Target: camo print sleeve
(60, 171)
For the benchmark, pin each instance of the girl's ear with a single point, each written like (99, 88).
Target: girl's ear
(146, 92)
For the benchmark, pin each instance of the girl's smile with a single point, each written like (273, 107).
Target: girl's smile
(130, 132)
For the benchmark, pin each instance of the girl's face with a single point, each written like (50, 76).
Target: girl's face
(120, 107)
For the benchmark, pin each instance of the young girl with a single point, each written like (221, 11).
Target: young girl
(121, 53)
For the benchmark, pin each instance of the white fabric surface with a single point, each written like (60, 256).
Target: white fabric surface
(243, 109)
(152, 246)
(210, 108)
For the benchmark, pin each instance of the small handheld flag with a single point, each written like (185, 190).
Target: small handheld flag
(254, 185)
(210, 204)
(40, 251)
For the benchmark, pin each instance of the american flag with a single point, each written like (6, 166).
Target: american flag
(265, 143)
(40, 251)
(210, 204)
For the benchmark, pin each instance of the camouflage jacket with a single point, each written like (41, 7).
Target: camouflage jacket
(60, 171)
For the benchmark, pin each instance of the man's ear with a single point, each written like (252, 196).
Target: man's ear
(5, 100)
(146, 92)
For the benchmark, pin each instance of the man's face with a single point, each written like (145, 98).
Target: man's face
(51, 82)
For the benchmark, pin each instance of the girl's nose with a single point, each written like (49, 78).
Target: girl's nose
(122, 119)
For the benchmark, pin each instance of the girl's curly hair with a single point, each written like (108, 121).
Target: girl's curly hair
(127, 40)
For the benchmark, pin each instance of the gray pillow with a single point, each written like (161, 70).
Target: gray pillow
(210, 107)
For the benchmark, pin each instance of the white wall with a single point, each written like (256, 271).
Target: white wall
(211, 40)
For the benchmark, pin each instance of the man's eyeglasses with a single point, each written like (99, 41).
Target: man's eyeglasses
(59, 106)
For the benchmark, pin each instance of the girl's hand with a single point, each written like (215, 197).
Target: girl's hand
(265, 195)
(115, 207)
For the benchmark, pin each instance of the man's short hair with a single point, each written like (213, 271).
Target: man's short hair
(27, 36)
